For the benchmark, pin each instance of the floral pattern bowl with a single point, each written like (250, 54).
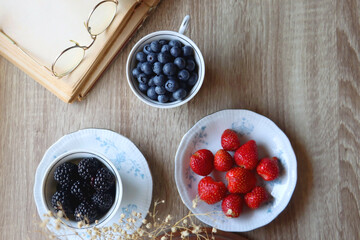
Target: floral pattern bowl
(271, 141)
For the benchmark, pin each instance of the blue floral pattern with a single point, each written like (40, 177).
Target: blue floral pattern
(189, 175)
(121, 160)
(243, 127)
(129, 209)
(200, 137)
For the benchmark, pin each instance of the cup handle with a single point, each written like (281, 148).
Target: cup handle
(184, 25)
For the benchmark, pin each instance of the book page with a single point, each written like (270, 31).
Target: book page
(44, 28)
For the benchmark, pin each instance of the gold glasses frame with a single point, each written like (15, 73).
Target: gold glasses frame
(77, 45)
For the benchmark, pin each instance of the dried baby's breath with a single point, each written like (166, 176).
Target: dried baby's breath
(152, 227)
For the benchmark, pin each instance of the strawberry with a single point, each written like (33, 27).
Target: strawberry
(268, 168)
(223, 161)
(246, 156)
(202, 162)
(230, 140)
(210, 191)
(232, 205)
(256, 197)
(240, 180)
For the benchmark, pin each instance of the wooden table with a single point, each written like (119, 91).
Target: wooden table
(296, 62)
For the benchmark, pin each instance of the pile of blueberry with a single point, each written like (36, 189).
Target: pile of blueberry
(166, 70)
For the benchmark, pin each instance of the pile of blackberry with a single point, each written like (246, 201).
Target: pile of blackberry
(166, 71)
(85, 192)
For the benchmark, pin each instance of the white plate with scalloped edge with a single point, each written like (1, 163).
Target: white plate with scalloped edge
(126, 157)
(271, 141)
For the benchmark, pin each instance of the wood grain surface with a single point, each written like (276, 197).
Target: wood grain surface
(296, 62)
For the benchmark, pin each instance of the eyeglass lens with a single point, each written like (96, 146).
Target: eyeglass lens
(68, 61)
(100, 18)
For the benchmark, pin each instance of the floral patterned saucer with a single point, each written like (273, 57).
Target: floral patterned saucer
(126, 157)
(271, 141)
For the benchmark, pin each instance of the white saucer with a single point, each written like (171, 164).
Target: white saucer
(128, 160)
(271, 141)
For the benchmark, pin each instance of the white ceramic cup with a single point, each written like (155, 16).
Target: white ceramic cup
(167, 35)
(49, 184)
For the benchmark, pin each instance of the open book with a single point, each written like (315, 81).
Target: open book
(33, 51)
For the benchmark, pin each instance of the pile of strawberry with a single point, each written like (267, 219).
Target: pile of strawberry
(241, 178)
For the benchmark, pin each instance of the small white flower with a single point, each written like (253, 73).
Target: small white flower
(214, 230)
(164, 238)
(184, 234)
(173, 229)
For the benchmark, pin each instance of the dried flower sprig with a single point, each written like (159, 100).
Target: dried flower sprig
(153, 227)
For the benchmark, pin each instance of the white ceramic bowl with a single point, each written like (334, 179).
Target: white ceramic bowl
(167, 35)
(271, 142)
(49, 184)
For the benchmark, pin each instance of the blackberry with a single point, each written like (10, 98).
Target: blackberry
(103, 201)
(66, 174)
(104, 179)
(62, 200)
(87, 167)
(86, 212)
(81, 190)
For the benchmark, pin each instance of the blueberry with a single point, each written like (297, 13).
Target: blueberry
(171, 85)
(163, 42)
(163, 98)
(172, 99)
(175, 43)
(169, 69)
(160, 90)
(151, 82)
(175, 51)
(180, 62)
(151, 57)
(146, 67)
(142, 78)
(141, 57)
(187, 51)
(139, 65)
(159, 80)
(147, 49)
(193, 79)
(164, 57)
(136, 72)
(165, 48)
(190, 65)
(151, 93)
(183, 75)
(143, 87)
(179, 94)
(155, 46)
(157, 68)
